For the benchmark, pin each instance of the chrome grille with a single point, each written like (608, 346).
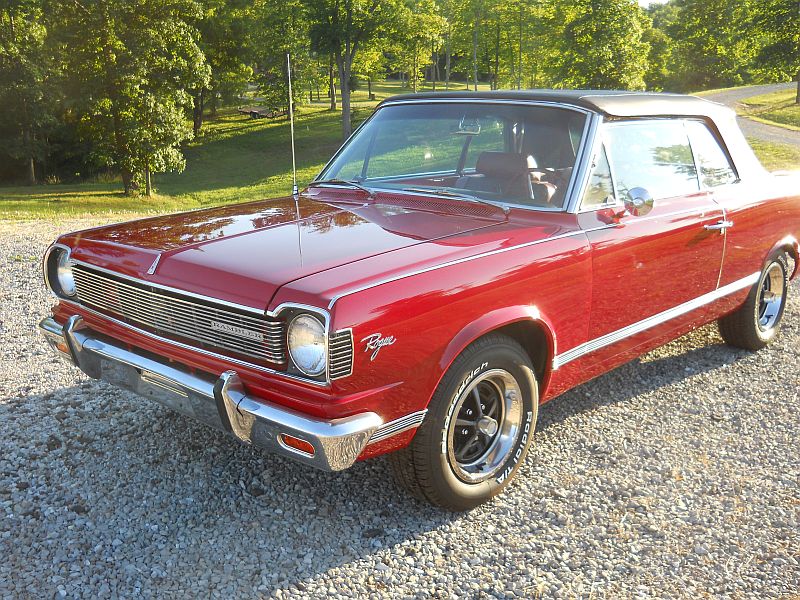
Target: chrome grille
(340, 357)
(207, 326)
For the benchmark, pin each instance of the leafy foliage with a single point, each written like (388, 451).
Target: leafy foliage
(89, 86)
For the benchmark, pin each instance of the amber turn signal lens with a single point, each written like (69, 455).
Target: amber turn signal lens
(297, 444)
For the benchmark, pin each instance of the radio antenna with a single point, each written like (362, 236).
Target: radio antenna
(295, 190)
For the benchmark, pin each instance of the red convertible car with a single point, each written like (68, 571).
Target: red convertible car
(462, 259)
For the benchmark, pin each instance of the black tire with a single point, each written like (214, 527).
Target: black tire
(496, 369)
(757, 322)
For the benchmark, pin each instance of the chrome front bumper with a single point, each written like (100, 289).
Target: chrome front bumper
(222, 403)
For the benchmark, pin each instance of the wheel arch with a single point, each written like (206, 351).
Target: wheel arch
(791, 246)
(525, 324)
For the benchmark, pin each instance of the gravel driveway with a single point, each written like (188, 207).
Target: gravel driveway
(674, 476)
(761, 131)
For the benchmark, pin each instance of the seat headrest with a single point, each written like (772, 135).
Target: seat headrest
(504, 164)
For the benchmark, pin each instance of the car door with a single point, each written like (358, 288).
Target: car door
(647, 268)
(751, 225)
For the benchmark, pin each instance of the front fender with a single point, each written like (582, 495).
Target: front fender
(492, 321)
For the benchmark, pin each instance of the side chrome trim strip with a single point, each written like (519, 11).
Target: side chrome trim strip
(387, 430)
(658, 319)
(451, 263)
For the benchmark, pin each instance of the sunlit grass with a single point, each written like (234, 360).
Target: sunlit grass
(776, 157)
(778, 108)
(236, 159)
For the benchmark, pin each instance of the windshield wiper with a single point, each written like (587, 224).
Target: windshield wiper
(344, 182)
(457, 195)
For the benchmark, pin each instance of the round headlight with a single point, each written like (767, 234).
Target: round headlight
(306, 338)
(66, 281)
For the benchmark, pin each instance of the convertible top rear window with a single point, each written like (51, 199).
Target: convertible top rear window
(509, 153)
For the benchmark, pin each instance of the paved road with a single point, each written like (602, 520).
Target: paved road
(768, 133)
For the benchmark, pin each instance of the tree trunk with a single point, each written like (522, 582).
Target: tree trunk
(447, 62)
(214, 101)
(519, 55)
(475, 55)
(434, 66)
(331, 84)
(197, 113)
(797, 97)
(415, 74)
(27, 140)
(496, 77)
(369, 88)
(344, 63)
(147, 180)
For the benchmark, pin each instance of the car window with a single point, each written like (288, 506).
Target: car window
(430, 146)
(490, 139)
(715, 168)
(499, 152)
(600, 185)
(654, 155)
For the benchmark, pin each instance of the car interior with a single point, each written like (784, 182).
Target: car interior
(516, 155)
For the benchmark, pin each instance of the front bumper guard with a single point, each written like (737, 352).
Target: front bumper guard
(222, 403)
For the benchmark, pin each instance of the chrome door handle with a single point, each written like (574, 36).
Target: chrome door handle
(721, 226)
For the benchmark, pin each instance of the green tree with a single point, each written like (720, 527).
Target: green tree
(223, 28)
(342, 28)
(713, 46)
(420, 38)
(779, 22)
(603, 46)
(281, 28)
(24, 84)
(131, 67)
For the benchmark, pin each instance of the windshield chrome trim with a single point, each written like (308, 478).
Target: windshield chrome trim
(579, 168)
(580, 182)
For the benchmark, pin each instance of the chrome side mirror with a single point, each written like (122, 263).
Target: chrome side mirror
(638, 201)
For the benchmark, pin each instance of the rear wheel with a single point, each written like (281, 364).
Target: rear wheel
(478, 428)
(756, 323)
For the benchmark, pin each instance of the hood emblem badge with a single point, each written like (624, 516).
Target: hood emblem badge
(375, 342)
(154, 266)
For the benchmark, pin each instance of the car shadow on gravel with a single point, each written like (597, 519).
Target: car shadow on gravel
(664, 366)
(153, 492)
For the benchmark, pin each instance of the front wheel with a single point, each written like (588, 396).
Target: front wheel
(756, 323)
(478, 428)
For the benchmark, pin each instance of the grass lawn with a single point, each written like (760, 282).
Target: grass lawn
(776, 157)
(239, 159)
(236, 159)
(777, 108)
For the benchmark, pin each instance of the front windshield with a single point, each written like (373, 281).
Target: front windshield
(514, 154)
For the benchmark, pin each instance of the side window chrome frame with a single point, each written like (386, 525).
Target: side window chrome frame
(598, 146)
(715, 135)
(600, 139)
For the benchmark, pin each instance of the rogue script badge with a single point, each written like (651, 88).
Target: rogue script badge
(375, 342)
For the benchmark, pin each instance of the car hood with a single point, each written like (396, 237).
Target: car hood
(244, 253)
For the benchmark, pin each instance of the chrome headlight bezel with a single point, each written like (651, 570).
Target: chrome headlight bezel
(315, 347)
(58, 271)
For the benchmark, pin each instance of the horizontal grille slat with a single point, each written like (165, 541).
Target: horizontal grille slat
(166, 313)
(340, 354)
(89, 288)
